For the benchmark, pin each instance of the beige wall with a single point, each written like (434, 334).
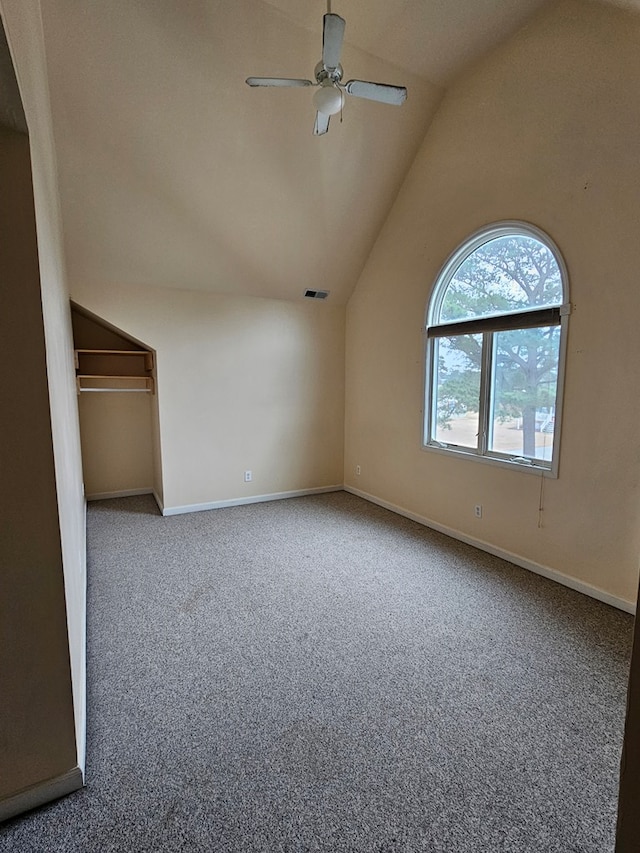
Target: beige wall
(117, 444)
(243, 384)
(547, 129)
(628, 814)
(118, 431)
(36, 709)
(50, 709)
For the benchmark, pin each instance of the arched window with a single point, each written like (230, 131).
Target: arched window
(496, 329)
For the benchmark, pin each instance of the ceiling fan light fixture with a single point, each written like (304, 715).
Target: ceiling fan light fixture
(328, 99)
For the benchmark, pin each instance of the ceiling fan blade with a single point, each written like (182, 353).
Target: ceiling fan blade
(332, 37)
(277, 81)
(377, 92)
(322, 124)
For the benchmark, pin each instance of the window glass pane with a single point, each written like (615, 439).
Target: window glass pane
(503, 275)
(456, 390)
(523, 392)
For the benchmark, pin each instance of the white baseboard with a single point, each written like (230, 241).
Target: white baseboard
(537, 568)
(38, 795)
(124, 493)
(254, 499)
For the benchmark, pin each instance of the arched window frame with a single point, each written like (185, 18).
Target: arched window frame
(487, 326)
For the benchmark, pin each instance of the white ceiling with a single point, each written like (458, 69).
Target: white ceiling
(175, 173)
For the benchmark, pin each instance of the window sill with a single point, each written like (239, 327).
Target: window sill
(496, 461)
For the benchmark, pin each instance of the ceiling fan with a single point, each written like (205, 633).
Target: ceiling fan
(330, 95)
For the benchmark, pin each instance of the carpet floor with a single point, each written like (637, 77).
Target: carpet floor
(319, 674)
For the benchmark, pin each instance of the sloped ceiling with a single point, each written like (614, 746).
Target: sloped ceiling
(175, 173)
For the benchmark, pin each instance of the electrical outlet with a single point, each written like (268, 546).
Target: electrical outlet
(358, 470)
(248, 476)
(478, 510)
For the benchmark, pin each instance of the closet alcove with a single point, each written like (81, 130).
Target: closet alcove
(118, 411)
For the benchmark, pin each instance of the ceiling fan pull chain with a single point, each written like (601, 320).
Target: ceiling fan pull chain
(328, 7)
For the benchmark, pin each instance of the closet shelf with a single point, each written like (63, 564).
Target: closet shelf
(145, 355)
(104, 370)
(94, 382)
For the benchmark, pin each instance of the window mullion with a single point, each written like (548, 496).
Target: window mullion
(485, 390)
(432, 348)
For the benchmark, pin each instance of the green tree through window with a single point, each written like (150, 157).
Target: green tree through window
(494, 347)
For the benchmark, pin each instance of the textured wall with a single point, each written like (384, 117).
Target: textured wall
(628, 837)
(547, 129)
(24, 34)
(117, 430)
(117, 443)
(36, 711)
(243, 384)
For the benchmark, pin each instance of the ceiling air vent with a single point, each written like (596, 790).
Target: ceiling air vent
(316, 294)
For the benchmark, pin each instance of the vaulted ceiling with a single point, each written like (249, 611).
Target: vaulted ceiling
(173, 172)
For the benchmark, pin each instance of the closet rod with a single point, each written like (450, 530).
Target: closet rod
(116, 390)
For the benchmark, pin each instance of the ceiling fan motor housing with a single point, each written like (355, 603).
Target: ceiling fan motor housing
(333, 75)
